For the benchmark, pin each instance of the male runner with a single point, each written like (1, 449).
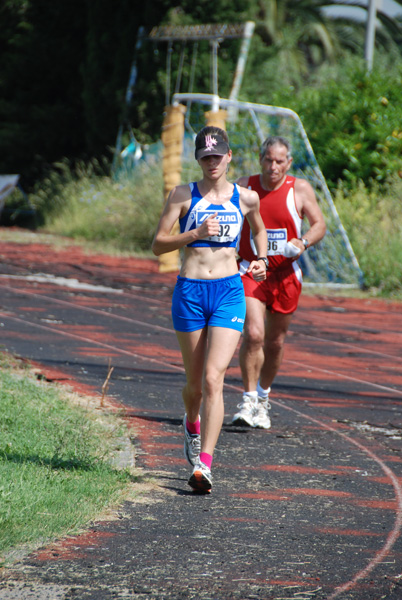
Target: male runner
(284, 201)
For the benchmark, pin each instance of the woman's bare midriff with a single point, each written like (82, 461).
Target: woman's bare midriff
(208, 263)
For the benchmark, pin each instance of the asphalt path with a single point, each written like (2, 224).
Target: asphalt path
(310, 509)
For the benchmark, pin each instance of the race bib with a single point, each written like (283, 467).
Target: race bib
(277, 240)
(229, 224)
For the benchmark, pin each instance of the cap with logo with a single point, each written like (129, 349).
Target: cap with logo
(209, 144)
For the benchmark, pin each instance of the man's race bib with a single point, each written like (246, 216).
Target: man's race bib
(277, 240)
(229, 224)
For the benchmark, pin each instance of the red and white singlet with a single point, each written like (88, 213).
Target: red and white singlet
(281, 219)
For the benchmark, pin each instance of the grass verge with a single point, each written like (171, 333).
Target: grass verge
(56, 470)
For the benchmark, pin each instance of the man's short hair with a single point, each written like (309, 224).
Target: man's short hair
(272, 141)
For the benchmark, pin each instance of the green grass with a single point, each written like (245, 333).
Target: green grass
(86, 205)
(373, 221)
(55, 467)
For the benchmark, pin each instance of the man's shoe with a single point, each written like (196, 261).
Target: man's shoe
(262, 419)
(192, 445)
(247, 412)
(201, 479)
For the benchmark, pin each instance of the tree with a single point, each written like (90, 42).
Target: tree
(352, 31)
(64, 67)
(299, 36)
(298, 29)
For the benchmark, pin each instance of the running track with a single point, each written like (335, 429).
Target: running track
(311, 509)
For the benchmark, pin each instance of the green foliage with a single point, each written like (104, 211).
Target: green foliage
(40, 84)
(353, 121)
(122, 215)
(373, 221)
(83, 205)
(54, 469)
(63, 76)
(17, 210)
(65, 66)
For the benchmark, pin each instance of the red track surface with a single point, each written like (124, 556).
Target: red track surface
(329, 470)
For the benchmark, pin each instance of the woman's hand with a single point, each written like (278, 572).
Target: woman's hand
(258, 270)
(209, 227)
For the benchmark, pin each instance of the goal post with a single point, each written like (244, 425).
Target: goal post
(332, 262)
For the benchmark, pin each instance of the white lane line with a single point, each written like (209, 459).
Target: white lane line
(90, 341)
(396, 530)
(354, 347)
(343, 376)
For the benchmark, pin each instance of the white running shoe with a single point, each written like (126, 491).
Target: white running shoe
(192, 445)
(262, 419)
(201, 478)
(247, 412)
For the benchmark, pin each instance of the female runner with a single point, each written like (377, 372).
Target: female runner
(208, 304)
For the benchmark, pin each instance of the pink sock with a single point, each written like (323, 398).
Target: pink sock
(206, 459)
(194, 428)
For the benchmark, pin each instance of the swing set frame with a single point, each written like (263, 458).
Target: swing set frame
(215, 34)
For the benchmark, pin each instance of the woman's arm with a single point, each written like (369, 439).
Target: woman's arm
(251, 203)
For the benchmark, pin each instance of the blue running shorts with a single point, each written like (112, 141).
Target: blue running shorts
(213, 302)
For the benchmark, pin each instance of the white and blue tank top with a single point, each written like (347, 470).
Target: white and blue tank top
(229, 215)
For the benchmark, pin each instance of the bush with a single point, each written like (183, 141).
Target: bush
(353, 120)
(84, 205)
(373, 221)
